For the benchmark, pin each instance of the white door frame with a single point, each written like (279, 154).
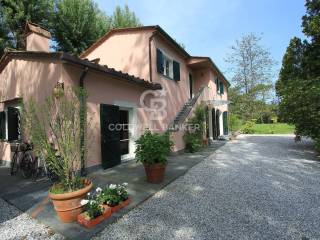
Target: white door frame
(133, 120)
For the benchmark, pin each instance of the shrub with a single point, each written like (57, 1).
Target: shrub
(193, 142)
(248, 127)
(194, 135)
(153, 148)
(234, 122)
(54, 129)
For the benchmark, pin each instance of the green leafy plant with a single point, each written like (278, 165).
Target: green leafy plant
(54, 129)
(248, 127)
(153, 148)
(196, 128)
(193, 142)
(92, 206)
(113, 194)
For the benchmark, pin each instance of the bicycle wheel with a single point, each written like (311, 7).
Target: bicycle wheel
(27, 165)
(14, 164)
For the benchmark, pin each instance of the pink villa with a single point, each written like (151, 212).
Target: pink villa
(136, 76)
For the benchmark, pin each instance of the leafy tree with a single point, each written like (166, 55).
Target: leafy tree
(14, 15)
(78, 24)
(251, 63)
(122, 18)
(252, 68)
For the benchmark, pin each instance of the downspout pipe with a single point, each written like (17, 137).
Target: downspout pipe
(83, 115)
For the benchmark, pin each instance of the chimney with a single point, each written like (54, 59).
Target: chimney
(37, 38)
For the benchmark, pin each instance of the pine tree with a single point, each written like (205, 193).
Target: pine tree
(78, 24)
(14, 15)
(123, 18)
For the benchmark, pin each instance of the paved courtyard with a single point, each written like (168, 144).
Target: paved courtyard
(258, 187)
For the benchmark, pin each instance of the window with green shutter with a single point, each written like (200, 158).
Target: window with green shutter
(2, 125)
(217, 85)
(221, 88)
(176, 71)
(160, 67)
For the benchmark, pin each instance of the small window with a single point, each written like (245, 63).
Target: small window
(168, 66)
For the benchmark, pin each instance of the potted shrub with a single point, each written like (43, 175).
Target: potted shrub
(94, 212)
(152, 151)
(54, 128)
(115, 197)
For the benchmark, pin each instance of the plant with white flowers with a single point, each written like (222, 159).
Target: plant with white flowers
(93, 208)
(114, 194)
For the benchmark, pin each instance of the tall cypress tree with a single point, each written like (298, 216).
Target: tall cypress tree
(299, 81)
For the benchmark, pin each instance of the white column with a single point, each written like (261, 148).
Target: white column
(221, 123)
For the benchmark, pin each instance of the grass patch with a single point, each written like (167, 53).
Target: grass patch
(270, 128)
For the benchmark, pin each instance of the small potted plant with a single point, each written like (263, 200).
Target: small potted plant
(124, 195)
(115, 197)
(152, 151)
(94, 212)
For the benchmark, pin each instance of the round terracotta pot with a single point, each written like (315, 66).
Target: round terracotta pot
(155, 172)
(67, 205)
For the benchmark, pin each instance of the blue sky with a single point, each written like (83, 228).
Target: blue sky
(210, 27)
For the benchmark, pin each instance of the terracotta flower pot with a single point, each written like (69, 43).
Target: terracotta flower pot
(155, 172)
(84, 220)
(67, 205)
(119, 206)
(125, 203)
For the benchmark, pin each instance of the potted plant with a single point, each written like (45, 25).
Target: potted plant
(54, 128)
(94, 211)
(115, 197)
(152, 151)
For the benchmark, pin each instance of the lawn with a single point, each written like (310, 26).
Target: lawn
(277, 128)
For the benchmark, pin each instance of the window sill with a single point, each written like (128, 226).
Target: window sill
(165, 76)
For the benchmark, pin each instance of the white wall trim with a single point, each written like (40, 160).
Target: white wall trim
(131, 107)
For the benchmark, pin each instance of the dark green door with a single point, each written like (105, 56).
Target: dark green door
(14, 128)
(110, 135)
(225, 123)
(217, 124)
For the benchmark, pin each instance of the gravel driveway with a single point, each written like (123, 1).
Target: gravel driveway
(17, 225)
(257, 187)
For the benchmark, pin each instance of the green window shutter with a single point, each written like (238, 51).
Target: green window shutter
(221, 88)
(176, 71)
(2, 125)
(14, 130)
(225, 123)
(217, 85)
(160, 67)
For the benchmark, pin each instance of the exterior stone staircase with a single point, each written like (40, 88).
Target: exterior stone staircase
(184, 111)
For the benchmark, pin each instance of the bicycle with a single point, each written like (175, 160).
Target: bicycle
(22, 159)
(41, 169)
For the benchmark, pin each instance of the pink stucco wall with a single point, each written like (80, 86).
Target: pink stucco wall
(36, 42)
(26, 79)
(125, 51)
